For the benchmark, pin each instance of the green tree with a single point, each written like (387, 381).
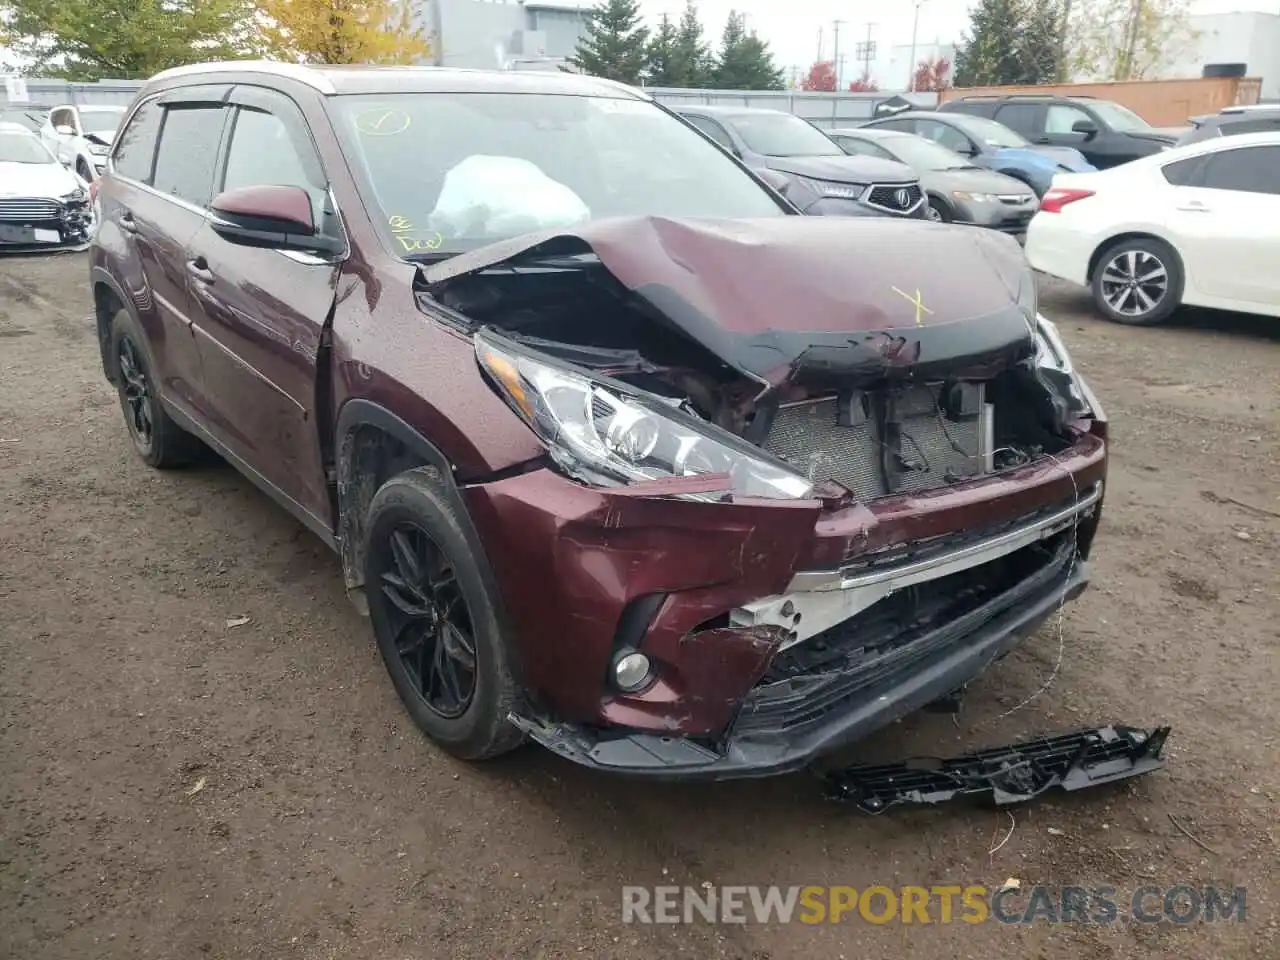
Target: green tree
(745, 62)
(660, 56)
(992, 51)
(129, 39)
(1039, 43)
(615, 43)
(1128, 39)
(692, 62)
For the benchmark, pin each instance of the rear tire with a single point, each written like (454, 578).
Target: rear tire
(1138, 282)
(160, 442)
(434, 609)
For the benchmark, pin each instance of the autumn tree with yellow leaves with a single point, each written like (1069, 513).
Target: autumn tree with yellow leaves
(342, 31)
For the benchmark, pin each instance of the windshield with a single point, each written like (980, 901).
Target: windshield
(988, 131)
(1118, 118)
(448, 172)
(101, 119)
(31, 119)
(23, 148)
(782, 135)
(924, 154)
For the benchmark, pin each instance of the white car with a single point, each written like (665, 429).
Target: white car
(1197, 225)
(81, 136)
(42, 203)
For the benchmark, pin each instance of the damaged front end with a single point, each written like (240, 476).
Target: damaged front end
(803, 477)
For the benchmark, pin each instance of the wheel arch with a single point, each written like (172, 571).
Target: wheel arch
(371, 445)
(108, 300)
(1101, 249)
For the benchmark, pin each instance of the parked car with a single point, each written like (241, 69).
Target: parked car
(989, 144)
(816, 174)
(1255, 118)
(1106, 132)
(29, 116)
(81, 136)
(618, 450)
(1194, 225)
(956, 188)
(42, 204)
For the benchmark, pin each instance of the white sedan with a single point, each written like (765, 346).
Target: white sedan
(1196, 225)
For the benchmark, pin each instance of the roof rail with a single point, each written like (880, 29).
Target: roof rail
(1026, 96)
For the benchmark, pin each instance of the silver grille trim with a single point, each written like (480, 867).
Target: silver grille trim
(26, 209)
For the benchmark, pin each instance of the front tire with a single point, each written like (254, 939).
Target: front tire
(160, 442)
(1138, 282)
(434, 609)
(937, 211)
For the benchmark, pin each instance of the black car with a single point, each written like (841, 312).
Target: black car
(1257, 118)
(807, 166)
(1107, 133)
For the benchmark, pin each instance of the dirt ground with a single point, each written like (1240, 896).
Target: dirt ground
(326, 827)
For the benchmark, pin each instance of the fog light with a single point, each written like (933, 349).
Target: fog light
(631, 672)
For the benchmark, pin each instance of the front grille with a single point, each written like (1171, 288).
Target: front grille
(913, 446)
(895, 198)
(25, 210)
(808, 683)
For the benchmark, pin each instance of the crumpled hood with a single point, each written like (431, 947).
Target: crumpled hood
(38, 180)
(850, 296)
(843, 169)
(1052, 157)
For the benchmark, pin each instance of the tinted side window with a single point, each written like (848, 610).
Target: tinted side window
(863, 148)
(944, 134)
(712, 130)
(1022, 117)
(188, 151)
(908, 125)
(1184, 173)
(136, 145)
(1253, 125)
(976, 109)
(1248, 169)
(60, 117)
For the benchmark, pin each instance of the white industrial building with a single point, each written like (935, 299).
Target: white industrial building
(1248, 38)
(501, 34)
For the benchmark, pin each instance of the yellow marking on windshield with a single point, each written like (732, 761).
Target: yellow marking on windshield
(917, 301)
(381, 122)
(403, 230)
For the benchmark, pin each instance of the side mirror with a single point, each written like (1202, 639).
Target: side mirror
(779, 181)
(64, 130)
(1085, 127)
(276, 217)
(966, 150)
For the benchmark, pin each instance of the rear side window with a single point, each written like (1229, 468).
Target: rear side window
(1248, 170)
(1184, 173)
(1023, 117)
(188, 151)
(136, 146)
(974, 109)
(908, 125)
(1253, 125)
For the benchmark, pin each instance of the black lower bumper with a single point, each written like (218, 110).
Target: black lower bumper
(760, 753)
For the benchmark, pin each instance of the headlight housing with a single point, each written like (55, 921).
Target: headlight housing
(99, 149)
(78, 195)
(604, 434)
(1055, 362)
(837, 191)
(975, 197)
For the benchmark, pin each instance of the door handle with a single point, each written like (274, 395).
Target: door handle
(199, 268)
(127, 223)
(1195, 208)
(1043, 140)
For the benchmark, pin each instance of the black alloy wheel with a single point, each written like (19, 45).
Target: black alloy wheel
(430, 621)
(136, 397)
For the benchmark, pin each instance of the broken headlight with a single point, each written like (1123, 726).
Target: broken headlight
(604, 434)
(1054, 361)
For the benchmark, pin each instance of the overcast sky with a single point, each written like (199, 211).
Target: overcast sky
(791, 26)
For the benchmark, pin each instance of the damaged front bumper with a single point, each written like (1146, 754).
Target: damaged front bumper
(778, 633)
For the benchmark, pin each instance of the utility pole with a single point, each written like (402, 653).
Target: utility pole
(868, 52)
(835, 56)
(915, 30)
(840, 73)
(819, 58)
(1062, 42)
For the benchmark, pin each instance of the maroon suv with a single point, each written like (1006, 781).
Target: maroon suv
(619, 451)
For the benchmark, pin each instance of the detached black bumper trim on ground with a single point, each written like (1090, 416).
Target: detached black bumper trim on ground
(1010, 774)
